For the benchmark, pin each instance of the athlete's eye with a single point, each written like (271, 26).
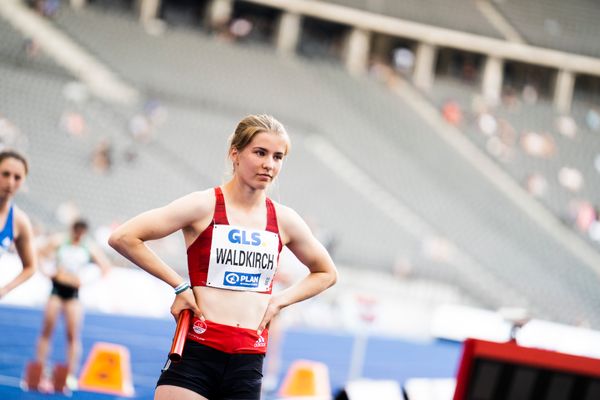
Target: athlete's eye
(6, 174)
(260, 153)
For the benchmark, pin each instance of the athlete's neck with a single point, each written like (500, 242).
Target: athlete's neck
(4, 204)
(243, 196)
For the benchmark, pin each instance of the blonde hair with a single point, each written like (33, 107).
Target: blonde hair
(251, 126)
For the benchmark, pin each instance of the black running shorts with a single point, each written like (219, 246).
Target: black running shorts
(65, 292)
(214, 374)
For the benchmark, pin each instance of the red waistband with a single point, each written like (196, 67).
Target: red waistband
(226, 338)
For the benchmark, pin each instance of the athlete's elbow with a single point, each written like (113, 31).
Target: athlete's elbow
(29, 270)
(118, 240)
(332, 278)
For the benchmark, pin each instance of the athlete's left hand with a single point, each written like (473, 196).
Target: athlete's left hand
(273, 309)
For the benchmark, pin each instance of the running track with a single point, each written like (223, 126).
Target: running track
(149, 339)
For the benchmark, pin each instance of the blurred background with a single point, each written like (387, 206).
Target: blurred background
(447, 154)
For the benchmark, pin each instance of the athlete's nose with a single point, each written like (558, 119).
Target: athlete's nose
(268, 164)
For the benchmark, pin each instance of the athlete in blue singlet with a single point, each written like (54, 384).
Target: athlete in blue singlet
(17, 228)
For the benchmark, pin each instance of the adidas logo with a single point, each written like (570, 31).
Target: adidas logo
(260, 342)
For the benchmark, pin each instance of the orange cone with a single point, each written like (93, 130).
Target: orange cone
(107, 370)
(307, 379)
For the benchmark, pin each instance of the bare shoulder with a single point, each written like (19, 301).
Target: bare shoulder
(285, 214)
(290, 223)
(22, 222)
(199, 201)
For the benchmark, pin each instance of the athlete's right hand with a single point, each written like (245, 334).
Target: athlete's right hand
(185, 300)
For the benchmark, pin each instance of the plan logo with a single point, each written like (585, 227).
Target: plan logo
(240, 279)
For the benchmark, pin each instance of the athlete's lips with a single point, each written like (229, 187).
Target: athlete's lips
(265, 176)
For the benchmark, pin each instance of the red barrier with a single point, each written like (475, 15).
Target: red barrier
(490, 367)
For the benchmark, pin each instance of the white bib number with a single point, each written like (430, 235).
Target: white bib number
(242, 258)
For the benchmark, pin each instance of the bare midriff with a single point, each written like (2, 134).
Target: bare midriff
(229, 307)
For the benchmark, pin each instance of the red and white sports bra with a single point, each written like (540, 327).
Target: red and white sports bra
(232, 257)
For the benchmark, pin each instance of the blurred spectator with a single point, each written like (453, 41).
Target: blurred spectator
(404, 60)
(580, 214)
(102, 157)
(131, 154)
(566, 126)
(139, 127)
(380, 70)
(570, 178)
(469, 71)
(46, 8)
(240, 28)
(594, 231)
(31, 47)
(506, 132)
(487, 124)
(9, 133)
(510, 100)
(73, 123)
(592, 119)
(586, 214)
(452, 112)
(536, 184)
(529, 94)
(538, 145)
(155, 112)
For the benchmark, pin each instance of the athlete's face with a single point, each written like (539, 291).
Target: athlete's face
(259, 163)
(12, 175)
(78, 233)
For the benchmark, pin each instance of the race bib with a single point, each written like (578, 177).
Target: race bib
(242, 258)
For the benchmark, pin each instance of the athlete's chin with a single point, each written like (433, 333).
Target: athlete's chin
(261, 185)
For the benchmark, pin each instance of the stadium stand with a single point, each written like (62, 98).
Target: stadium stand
(550, 24)
(445, 190)
(460, 15)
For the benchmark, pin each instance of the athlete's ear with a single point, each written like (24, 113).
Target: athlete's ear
(233, 154)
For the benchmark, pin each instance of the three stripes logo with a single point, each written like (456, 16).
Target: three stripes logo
(260, 342)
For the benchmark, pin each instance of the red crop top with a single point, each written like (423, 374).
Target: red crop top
(232, 257)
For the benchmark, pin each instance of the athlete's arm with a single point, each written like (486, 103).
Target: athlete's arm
(129, 240)
(100, 259)
(297, 236)
(48, 249)
(24, 246)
